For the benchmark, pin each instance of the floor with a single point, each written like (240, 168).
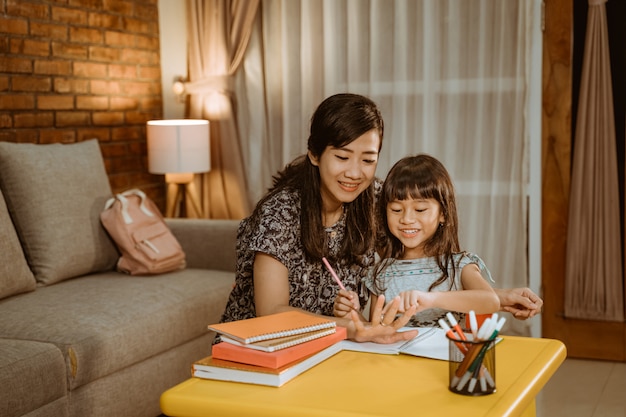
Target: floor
(585, 388)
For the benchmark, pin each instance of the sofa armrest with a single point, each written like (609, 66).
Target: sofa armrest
(208, 243)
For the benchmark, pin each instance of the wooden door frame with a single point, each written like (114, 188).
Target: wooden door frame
(583, 338)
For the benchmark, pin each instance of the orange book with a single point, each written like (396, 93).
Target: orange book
(284, 324)
(221, 370)
(276, 359)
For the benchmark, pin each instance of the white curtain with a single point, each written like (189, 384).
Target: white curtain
(450, 77)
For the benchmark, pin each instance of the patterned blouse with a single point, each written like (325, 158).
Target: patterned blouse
(277, 233)
(419, 274)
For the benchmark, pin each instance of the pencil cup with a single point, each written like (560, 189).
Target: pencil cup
(472, 366)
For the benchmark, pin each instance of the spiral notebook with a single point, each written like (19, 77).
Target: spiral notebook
(283, 324)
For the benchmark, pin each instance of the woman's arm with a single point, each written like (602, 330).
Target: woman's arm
(271, 285)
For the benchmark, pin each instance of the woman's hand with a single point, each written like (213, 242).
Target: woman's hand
(386, 329)
(521, 302)
(345, 302)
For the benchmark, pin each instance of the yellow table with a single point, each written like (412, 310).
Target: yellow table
(366, 384)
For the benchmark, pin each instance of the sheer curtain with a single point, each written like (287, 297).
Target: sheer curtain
(218, 33)
(450, 78)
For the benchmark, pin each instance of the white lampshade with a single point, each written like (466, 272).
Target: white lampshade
(178, 146)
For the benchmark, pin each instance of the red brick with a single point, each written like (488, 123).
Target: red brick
(29, 9)
(139, 26)
(92, 102)
(106, 21)
(114, 150)
(105, 87)
(40, 119)
(108, 118)
(90, 70)
(115, 38)
(152, 73)
(6, 121)
(124, 103)
(47, 30)
(26, 136)
(17, 102)
(4, 83)
(152, 104)
(147, 42)
(13, 25)
(102, 134)
(119, 182)
(128, 133)
(147, 11)
(31, 83)
(140, 57)
(123, 71)
(118, 7)
(4, 44)
(101, 53)
(70, 85)
(57, 136)
(72, 118)
(139, 88)
(69, 50)
(86, 35)
(52, 67)
(138, 118)
(126, 164)
(67, 15)
(30, 47)
(20, 65)
(138, 148)
(55, 102)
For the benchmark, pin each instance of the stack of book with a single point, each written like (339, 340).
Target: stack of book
(270, 350)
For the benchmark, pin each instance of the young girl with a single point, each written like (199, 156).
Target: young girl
(421, 258)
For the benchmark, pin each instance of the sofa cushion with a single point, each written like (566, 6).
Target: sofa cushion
(15, 276)
(108, 321)
(55, 194)
(32, 375)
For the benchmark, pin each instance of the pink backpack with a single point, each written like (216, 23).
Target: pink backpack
(136, 225)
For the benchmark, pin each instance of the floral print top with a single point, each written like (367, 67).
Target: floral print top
(277, 233)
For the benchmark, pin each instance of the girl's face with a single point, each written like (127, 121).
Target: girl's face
(413, 222)
(346, 172)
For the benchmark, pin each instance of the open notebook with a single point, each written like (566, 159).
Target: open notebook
(430, 342)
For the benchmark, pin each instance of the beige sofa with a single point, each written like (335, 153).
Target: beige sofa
(76, 337)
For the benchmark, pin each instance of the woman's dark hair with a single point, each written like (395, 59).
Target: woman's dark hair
(338, 120)
(420, 177)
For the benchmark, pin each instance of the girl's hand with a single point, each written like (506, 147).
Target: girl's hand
(345, 302)
(384, 330)
(419, 299)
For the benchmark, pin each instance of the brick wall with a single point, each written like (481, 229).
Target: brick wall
(72, 70)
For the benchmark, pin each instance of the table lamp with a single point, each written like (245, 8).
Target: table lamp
(179, 148)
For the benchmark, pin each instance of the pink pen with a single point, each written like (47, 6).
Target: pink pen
(332, 272)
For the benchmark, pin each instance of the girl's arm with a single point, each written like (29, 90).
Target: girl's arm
(476, 295)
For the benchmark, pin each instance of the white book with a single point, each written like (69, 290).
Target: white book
(222, 370)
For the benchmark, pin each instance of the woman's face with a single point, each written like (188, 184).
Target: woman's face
(346, 172)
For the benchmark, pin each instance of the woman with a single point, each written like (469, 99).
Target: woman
(320, 205)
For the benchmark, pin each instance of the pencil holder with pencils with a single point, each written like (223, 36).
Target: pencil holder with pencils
(472, 366)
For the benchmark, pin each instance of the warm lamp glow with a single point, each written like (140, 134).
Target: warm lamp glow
(178, 146)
